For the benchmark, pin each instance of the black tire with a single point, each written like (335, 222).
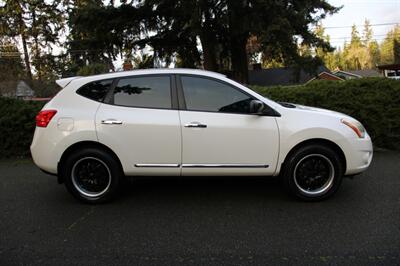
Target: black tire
(313, 173)
(92, 175)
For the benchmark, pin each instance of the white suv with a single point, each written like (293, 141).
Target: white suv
(183, 122)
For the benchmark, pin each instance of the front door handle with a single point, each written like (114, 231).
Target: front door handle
(111, 122)
(195, 124)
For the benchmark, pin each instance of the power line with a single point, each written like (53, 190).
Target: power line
(372, 25)
(373, 36)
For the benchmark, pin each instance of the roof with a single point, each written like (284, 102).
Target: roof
(326, 76)
(64, 82)
(390, 67)
(346, 73)
(282, 76)
(23, 90)
(366, 73)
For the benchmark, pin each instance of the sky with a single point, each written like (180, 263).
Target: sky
(355, 12)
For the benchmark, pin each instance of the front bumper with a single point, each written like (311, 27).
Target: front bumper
(359, 153)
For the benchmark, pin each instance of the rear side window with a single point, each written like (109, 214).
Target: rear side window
(148, 92)
(96, 90)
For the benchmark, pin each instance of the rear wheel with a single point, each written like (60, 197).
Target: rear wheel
(313, 172)
(92, 175)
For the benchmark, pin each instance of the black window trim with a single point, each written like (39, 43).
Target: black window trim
(182, 102)
(109, 99)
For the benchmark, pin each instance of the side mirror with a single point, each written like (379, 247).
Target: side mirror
(257, 107)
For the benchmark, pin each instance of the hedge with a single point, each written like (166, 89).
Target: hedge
(375, 102)
(17, 124)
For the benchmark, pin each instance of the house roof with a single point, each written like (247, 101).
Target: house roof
(346, 73)
(282, 76)
(23, 90)
(390, 67)
(366, 73)
(327, 76)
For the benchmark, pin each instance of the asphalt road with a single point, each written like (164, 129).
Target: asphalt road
(237, 221)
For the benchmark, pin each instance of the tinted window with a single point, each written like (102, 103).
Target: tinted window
(203, 94)
(95, 90)
(154, 92)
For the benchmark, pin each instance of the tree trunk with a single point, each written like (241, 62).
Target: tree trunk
(238, 35)
(24, 45)
(26, 58)
(240, 71)
(110, 61)
(38, 65)
(207, 38)
(209, 53)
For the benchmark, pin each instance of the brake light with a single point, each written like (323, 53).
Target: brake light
(43, 117)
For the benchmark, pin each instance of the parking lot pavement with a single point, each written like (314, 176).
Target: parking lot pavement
(237, 221)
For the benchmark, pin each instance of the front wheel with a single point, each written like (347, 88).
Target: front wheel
(92, 175)
(313, 173)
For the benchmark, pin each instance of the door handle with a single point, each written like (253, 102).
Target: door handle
(111, 122)
(195, 124)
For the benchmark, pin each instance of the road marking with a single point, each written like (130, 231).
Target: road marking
(83, 217)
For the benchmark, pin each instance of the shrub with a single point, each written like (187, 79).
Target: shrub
(373, 101)
(46, 88)
(17, 124)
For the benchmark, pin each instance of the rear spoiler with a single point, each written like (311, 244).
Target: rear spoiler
(64, 82)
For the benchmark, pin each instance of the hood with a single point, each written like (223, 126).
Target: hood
(315, 109)
(299, 107)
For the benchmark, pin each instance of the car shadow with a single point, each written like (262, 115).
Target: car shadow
(209, 188)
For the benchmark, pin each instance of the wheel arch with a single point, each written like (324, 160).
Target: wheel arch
(82, 145)
(318, 141)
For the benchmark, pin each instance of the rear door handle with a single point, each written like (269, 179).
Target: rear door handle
(111, 122)
(195, 124)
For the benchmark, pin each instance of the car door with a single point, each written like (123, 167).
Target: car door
(139, 121)
(219, 135)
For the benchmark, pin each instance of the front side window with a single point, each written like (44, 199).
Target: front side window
(148, 92)
(96, 90)
(202, 94)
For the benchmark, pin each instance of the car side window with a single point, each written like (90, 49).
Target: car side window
(203, 94)
(96, 90)
(146, 91)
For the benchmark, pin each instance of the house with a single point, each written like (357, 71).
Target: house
(326, 76)
(287, 76)
(16, 89)
(356, 74)
(24, 91)
(390, 71)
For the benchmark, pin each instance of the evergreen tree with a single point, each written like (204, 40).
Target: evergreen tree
(367, 33)
(327, 56)
(223, 28)
(390, 47)
(36, 23)
(356, 55)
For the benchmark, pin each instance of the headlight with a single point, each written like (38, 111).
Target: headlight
(356, 127)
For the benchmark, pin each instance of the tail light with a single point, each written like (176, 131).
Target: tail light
(43, 117)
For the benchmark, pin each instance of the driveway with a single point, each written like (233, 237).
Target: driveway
(236, 221)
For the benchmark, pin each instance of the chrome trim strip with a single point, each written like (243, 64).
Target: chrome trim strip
(233, 165)
(167, 165)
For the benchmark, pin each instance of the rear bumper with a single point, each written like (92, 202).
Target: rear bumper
(43, 152)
